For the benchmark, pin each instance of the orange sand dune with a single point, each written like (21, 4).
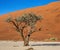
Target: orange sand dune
(50, 25)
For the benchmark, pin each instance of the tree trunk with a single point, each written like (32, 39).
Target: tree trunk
(26, 41)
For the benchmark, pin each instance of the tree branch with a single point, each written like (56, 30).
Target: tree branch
(15, 25)
(19, 30)
(33, 30)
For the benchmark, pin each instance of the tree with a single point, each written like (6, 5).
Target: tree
(24, 21)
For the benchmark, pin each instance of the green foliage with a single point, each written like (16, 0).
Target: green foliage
(53, 38)
(29, 19)
(19, 19)
(9, 19)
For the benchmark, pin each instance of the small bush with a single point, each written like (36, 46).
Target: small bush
(53, 39)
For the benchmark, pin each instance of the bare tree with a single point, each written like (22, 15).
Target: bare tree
(24, 21)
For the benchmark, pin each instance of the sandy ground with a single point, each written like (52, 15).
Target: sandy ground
(18, 45)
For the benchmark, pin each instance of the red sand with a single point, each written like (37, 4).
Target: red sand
(50, 25)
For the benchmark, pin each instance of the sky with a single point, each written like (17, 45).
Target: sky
(7, 6)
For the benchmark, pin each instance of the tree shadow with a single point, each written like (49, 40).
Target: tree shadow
(45, 45)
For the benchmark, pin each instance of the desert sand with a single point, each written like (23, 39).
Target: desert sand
(50, 24)
(18, 45)
(35, 48)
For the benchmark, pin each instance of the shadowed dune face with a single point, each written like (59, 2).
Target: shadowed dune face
(50, 24)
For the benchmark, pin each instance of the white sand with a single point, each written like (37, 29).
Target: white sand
(18, 45)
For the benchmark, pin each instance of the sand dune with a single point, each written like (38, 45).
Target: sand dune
(50, 25)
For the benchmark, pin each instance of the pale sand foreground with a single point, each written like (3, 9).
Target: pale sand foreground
(18, 45)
